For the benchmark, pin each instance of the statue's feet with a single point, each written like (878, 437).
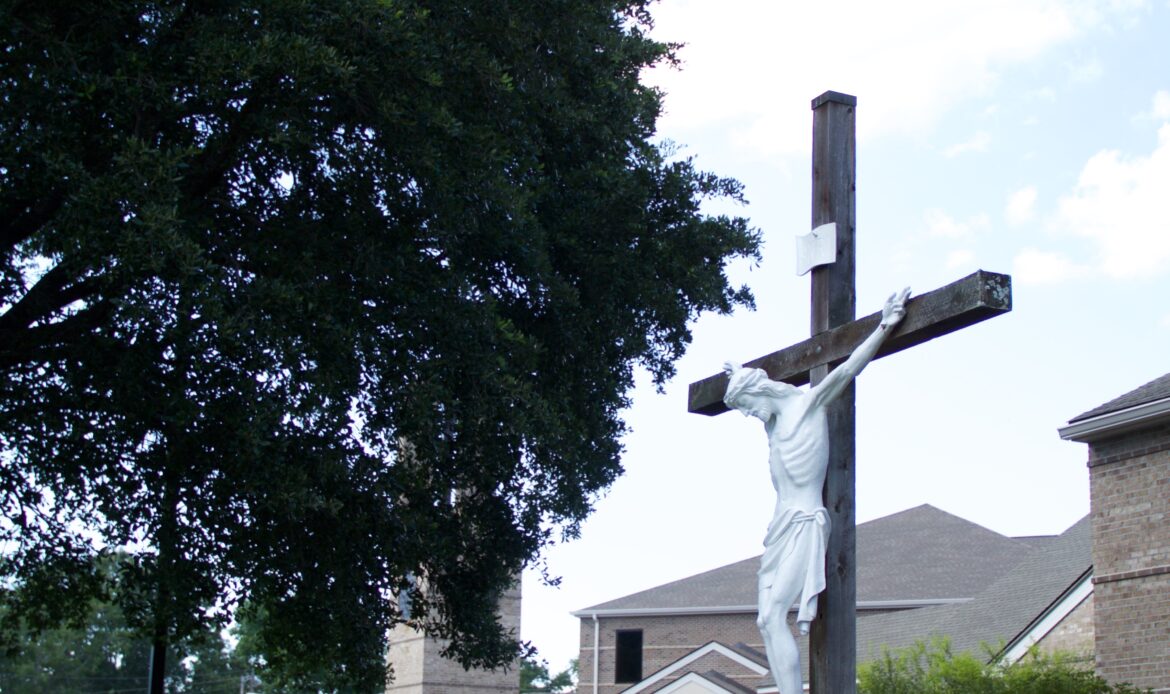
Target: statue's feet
(803, 628)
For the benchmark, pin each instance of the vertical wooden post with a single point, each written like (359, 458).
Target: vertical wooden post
(833, 638)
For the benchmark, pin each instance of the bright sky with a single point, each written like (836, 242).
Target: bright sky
(1030, 137)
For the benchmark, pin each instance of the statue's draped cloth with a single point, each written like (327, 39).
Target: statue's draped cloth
(796, 538)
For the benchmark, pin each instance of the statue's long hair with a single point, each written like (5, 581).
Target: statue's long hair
(756, 382)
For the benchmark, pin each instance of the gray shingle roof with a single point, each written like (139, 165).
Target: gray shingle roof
(925, 553)
(922, 553)
(728, 586)
(1157, 389)
(1000, 613)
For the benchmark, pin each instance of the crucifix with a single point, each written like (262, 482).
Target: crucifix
(836, 334)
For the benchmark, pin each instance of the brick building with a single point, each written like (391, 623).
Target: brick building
(1129, 477)
(921, 572)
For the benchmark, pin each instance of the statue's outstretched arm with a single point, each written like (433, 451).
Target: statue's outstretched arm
(839, 378)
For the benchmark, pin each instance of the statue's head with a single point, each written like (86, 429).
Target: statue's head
(748, 387)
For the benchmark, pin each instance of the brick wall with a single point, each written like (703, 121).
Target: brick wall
(1130, 491)
(1133, 619)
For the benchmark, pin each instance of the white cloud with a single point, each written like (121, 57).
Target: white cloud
(1121, 204)
(1033, 266)
(1021, 206)
(978, 143)
(941, 224)
(1159, 107)
(752, 66)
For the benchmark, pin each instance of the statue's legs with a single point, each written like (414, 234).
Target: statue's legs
(783, 655)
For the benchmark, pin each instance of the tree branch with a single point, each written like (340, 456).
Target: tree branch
(23, 218)
(21, 345)
(214, 161)
(52, 292)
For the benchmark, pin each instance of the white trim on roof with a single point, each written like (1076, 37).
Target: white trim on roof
(694, 678)
(1115, 422)
(713, 647)
(751, 609)
(1048, 620)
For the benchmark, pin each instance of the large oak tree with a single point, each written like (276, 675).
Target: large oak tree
(302, 298)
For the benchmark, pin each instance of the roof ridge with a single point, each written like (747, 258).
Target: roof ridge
(924, 509)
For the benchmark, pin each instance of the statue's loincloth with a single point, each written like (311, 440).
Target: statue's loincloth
(796, 538)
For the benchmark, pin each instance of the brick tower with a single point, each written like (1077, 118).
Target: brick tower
(419, 669)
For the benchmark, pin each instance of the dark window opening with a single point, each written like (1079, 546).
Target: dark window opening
(628, 667)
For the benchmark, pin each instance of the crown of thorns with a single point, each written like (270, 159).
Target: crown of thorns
(743, 381)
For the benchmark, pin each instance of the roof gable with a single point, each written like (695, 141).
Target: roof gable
(1048, 620)
(742, 655)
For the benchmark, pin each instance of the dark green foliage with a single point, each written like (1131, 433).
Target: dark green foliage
(262, 651)
(935, 669)
(281, 275)
(105, 655)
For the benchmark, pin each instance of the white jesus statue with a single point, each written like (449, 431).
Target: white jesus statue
(793, 567)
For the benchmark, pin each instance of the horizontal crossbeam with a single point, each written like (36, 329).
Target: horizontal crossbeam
(975, 298)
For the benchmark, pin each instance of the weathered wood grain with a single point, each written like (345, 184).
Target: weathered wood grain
(973, 299)
(833, 638)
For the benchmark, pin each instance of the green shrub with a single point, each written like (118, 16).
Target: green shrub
(935, 669)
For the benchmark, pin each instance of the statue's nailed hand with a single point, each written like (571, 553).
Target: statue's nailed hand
(730, 367)
(895, 309)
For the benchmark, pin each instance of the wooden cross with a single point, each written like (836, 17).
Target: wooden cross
(835, 333)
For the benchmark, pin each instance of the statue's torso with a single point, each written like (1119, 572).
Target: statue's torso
(798, 455)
